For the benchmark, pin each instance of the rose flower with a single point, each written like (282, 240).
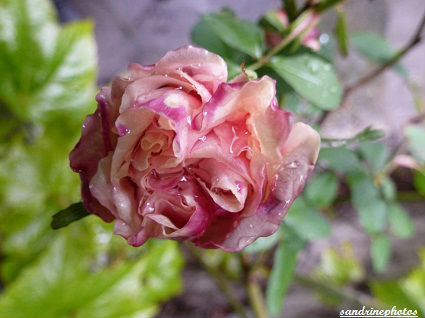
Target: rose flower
(175, 152)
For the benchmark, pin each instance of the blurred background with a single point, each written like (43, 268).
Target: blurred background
(54, 54)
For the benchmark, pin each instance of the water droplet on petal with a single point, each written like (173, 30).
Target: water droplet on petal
(203, 138)
(293, 165)
(244, 241)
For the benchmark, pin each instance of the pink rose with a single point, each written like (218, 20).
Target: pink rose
(310, 39)
(175, 152)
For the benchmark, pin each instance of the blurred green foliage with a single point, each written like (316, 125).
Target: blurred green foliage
(47, 88)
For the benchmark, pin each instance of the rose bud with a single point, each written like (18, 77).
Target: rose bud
(175, 152)
(281, 27)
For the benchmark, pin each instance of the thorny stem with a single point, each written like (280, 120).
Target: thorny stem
(416, 39)
(221, 281)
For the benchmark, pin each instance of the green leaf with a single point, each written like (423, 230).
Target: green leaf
(400, 221)
(66, 216)
(375, 48)
(290, 7)
(416, 141)
(242, 35)
(367, 134)
(341, 32)
(307, 222)
(366, 198)
(263, 243)
(280, 278)
(380, 252)
(340, 159)
(388, 188)
(376, 154)
(373, 215)
(321, 190)
(311, 77)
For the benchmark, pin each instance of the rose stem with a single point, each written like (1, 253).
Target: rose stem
(255, 293)
(221, 281)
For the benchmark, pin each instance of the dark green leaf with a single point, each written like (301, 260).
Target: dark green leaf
(326, 4)
(380, 252)
(341, 32)
(311, 77)
(321, 190)
(290, 7)
(367, 134)
(66, 216)
(375, 48)
(400, 221)
(281, 276)
(242, 35)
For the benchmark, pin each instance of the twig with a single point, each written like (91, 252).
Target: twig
(416, 38)
(220, 280)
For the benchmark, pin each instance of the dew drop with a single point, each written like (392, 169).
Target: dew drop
(244, 241)
(324, 38)
(293, 165)
(183, 179)
(203, 138)
(313, 66)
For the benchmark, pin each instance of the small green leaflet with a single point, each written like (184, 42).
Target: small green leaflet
(66, 216)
